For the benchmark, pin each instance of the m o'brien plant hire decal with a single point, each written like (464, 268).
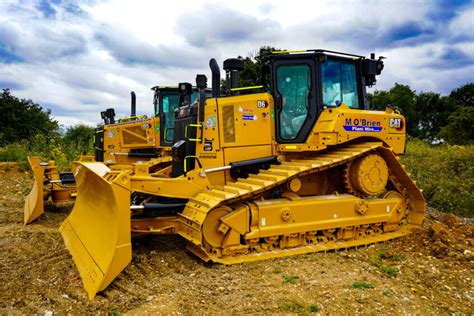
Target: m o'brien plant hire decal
(362, 125)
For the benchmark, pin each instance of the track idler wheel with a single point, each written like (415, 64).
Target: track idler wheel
(367, 176)
(401, 209)
(212, 231)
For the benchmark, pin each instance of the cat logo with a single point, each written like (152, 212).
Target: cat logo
(396, 123)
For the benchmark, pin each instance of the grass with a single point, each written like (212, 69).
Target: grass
(388, 292)
(362, 285)
(54, 147)
(385, 254)
(277, 269)
(314, 308)
(445, 173)
(390, 271)
(115, 312)
(292, 279)
(294, 306)
(385, 260)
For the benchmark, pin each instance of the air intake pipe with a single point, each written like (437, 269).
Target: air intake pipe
(133, 111)
(232, 66)
(216, 78)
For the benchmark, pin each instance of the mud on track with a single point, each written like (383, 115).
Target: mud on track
(428, 272)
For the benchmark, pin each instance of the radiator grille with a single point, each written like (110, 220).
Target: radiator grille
(134, 135)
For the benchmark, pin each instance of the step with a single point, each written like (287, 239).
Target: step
(200, 204)
(206, 199)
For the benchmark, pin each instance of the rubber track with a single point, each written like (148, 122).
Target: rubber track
(198, 207)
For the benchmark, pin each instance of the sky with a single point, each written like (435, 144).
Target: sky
(80, 57)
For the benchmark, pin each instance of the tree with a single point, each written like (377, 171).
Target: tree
(432, 111)
(22, 119)
(459, 128)
(463, 96)
(79, 137)
(402, 97)
(250, 76)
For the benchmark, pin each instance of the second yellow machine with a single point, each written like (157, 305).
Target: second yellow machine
(301, 166)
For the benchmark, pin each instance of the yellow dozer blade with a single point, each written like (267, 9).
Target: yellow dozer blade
(97, 232)
(34, 205)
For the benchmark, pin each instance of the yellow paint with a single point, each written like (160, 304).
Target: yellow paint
(236, 220)
(97, 231)
(42, 190)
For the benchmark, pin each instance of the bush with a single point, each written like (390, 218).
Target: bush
(445, 173)
(62, 149)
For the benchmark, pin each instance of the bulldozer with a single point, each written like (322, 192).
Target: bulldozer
(295, 166)
(48, 183)
(137, 138)
(127, 141)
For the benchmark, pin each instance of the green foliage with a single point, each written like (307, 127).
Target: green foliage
(292, 306)
(115, 312)
(295, 306)
(385, 254)
(433, 111)
(22, 119)
(463, 96)
(55, 147)
(401, 96)
(390, 271)
(362, 285)
(314, 308)
(250, 75)
(79, 139)
(429, 115)
(290, 279)
(459, 128)
(385, 260)
(445, 173)
(389, 292)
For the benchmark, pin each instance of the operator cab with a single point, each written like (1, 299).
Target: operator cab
(165, 101)
(303, 83)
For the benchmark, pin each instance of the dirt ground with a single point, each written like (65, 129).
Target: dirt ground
(429, 272)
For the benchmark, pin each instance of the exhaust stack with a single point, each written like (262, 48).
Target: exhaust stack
(216, 78)
(133, 111)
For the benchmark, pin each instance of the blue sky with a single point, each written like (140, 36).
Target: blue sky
(80, 57)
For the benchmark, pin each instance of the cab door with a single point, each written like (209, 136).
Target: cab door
(294, 90)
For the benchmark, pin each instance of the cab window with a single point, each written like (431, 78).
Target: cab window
(339, 83)
(170, 103)
(294, 85)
